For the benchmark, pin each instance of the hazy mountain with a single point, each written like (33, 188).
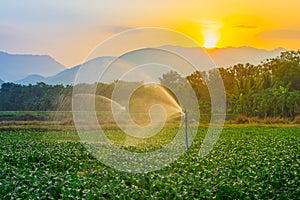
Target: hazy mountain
(68, 76)
(222, 57)
(90, 72)
(17, 66)
(1, 81)
(90, 69)
(65, 77)
(226, 57)
(230, 56)
(34, 78)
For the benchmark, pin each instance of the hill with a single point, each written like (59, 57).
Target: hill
(18, 66)
(34, 78)
(229, 56)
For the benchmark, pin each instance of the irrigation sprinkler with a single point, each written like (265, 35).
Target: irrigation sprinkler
(186, 128)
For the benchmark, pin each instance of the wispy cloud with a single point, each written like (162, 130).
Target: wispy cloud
(280, 34)
(245, 26)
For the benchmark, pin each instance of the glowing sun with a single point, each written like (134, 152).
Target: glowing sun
(210, 33)
(211, 38)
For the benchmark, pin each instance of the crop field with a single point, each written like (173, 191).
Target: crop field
(246, 163)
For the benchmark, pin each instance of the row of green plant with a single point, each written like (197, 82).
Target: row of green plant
(248, 163)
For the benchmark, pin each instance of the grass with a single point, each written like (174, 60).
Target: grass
(35, 113)
(246, 163)
(63, 120)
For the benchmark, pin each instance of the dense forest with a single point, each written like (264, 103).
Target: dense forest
(270, 89)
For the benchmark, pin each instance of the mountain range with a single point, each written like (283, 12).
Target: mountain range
(229, 56)
(56, 73)
(18, 66)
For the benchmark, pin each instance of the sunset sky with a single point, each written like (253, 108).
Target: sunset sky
(68, 30)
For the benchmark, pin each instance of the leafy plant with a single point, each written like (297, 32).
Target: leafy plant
(246, 163)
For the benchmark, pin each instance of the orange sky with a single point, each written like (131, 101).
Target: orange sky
(69, 30)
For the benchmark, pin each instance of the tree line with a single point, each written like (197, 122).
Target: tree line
(270, 89)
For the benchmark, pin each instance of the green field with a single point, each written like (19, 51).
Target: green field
(246, 163)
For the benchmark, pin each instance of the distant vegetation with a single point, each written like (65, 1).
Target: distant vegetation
(270, 89)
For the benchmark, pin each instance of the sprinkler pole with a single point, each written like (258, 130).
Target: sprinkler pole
(186, 129)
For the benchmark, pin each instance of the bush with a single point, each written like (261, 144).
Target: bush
(276, 120)
(254, 120)
(297, 119)
(241, 119)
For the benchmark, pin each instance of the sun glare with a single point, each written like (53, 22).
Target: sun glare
(210, 33)
(211, 38)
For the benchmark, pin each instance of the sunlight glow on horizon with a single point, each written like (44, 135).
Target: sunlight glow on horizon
(210, 32)
(210, 38)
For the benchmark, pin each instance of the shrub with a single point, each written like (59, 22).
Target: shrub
(276, 120)
(297, 119)
(254, 120)
(241, 119)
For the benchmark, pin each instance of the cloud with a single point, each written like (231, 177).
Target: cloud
(280, 34)
(244, 26)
